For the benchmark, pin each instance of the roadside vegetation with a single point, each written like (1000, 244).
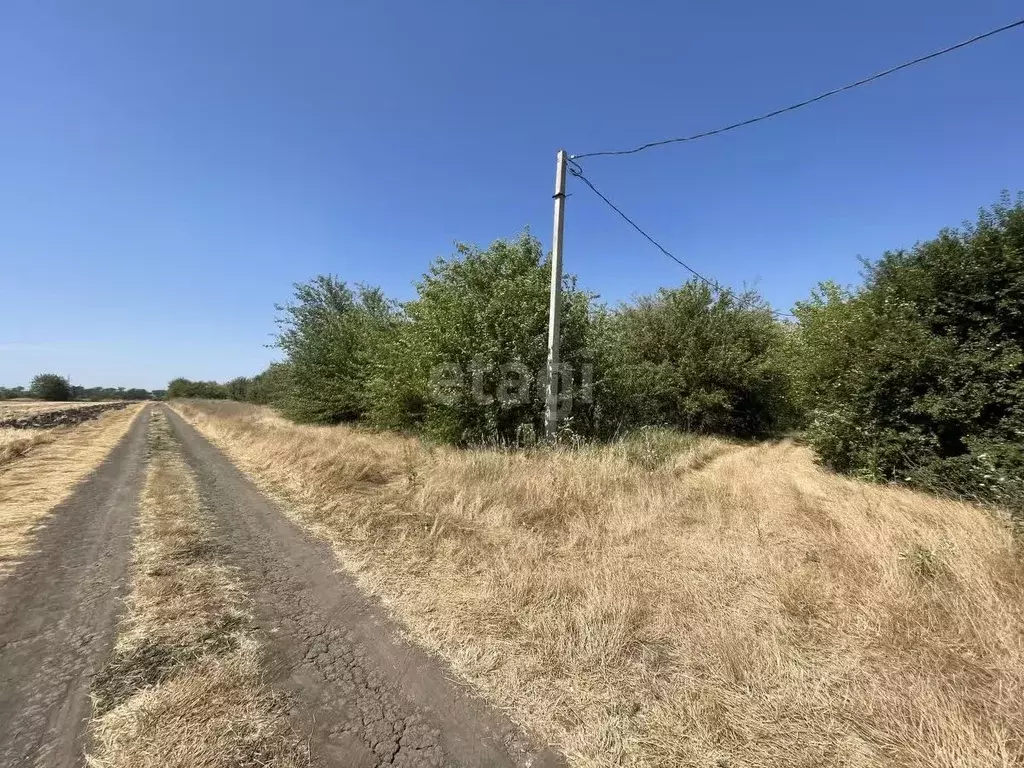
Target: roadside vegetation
(40, 468)
(914, 377)
(183, 687)
(668, 599)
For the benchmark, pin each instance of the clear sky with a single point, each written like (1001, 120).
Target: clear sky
(167, 170)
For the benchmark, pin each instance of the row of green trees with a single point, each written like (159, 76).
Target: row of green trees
(915, 376)
(54, 387)
(465, 361)
(266, 388)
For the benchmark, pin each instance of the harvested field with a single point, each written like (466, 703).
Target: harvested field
(25, 407)
(59, 415)
(675, 601)
(40, 468)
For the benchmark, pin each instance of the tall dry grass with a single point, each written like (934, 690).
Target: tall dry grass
(15, 443)
(661, 604)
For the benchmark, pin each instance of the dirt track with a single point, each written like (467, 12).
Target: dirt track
(365, 697)
(59, 608)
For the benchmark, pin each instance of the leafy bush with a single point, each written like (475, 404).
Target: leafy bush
(270, 386)
(689, 359)
(50, 386)
(919, 374)
(331, 336)
(468, 360)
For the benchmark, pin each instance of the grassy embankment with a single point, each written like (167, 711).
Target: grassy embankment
(675, 601)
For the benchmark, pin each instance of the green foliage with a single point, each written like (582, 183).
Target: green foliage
(269, 387)
(110, 393)
(332, 338)
(465, 362)
(208, 390)
(238, 388)
(86, 393)
(703, 363)
(919, 375)
(50, 386)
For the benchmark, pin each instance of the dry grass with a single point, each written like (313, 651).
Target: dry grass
(40, 468)
(697, 604)
(15, 443)
(183, 687)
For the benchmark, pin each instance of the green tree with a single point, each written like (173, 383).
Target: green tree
(239, 388)
(50, 386)
(919, 374)
(331, 336)
(687, 358)
(209, 390)
(270, 386)
(464, 363)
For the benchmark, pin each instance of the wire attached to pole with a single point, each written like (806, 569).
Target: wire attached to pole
(577, 171)
(792, 107)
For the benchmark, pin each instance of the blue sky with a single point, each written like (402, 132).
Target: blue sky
(167, 170)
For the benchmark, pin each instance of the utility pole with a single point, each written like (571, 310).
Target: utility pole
(555, 310)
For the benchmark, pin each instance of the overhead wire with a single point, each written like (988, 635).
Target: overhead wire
(807, 102)
(577, 171)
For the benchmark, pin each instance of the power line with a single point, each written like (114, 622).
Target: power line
(792, 107)
(577, 171)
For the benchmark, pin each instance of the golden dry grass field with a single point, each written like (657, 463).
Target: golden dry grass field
(675, 601)
(40, 468)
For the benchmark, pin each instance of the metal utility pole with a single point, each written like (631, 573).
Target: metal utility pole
(555, 311)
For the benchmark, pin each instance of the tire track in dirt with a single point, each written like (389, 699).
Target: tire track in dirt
(59, 609)
(366, 697)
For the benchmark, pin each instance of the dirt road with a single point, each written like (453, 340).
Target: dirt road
(365, 697)
(59, 608)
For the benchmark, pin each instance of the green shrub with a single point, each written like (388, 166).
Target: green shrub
(331, 337)
(464, 365)
(919, 374)
(208, 390)
(702, 363)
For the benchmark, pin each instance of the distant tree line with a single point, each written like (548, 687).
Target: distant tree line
(915, 376)
(262, 388)
(54, 387)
